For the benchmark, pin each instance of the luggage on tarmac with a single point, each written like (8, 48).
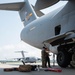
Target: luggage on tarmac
(8, 69)
(25, 68)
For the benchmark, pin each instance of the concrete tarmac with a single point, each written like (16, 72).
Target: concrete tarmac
(65, 71)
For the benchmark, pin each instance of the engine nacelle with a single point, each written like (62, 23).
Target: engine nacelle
(41, 4)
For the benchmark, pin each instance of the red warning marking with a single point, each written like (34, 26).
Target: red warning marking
(53, 69)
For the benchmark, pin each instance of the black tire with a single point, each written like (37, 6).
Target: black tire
(72, 63)
(63, 59)
(72, 66)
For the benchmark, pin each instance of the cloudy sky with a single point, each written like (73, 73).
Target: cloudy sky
(10, 28)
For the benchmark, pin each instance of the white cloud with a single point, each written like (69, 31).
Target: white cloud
(8, 51)
(8, 47)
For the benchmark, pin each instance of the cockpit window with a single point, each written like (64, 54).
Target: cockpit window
(57, 29)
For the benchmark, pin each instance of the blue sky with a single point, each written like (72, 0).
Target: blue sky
(10, 28)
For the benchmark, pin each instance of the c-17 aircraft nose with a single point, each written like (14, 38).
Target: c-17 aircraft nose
(30, 36)
(23, 35)
(26, 36)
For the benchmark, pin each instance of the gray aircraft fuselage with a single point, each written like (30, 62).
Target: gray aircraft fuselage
(43, 28)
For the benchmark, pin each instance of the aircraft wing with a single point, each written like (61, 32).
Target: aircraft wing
(12, 6)
(40, 4)
(19, 58)
(59, 39)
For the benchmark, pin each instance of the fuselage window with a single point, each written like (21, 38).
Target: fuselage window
(57, 29)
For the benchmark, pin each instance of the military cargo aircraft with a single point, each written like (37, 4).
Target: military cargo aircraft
(56, 29)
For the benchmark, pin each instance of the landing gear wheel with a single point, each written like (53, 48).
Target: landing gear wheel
(72, 63)
(63, 59)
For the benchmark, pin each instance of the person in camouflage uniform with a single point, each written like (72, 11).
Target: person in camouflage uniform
(45, 57)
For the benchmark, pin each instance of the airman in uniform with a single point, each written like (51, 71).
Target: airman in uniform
(45, 57)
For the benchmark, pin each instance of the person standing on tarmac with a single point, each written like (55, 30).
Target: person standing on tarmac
(45, 57)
